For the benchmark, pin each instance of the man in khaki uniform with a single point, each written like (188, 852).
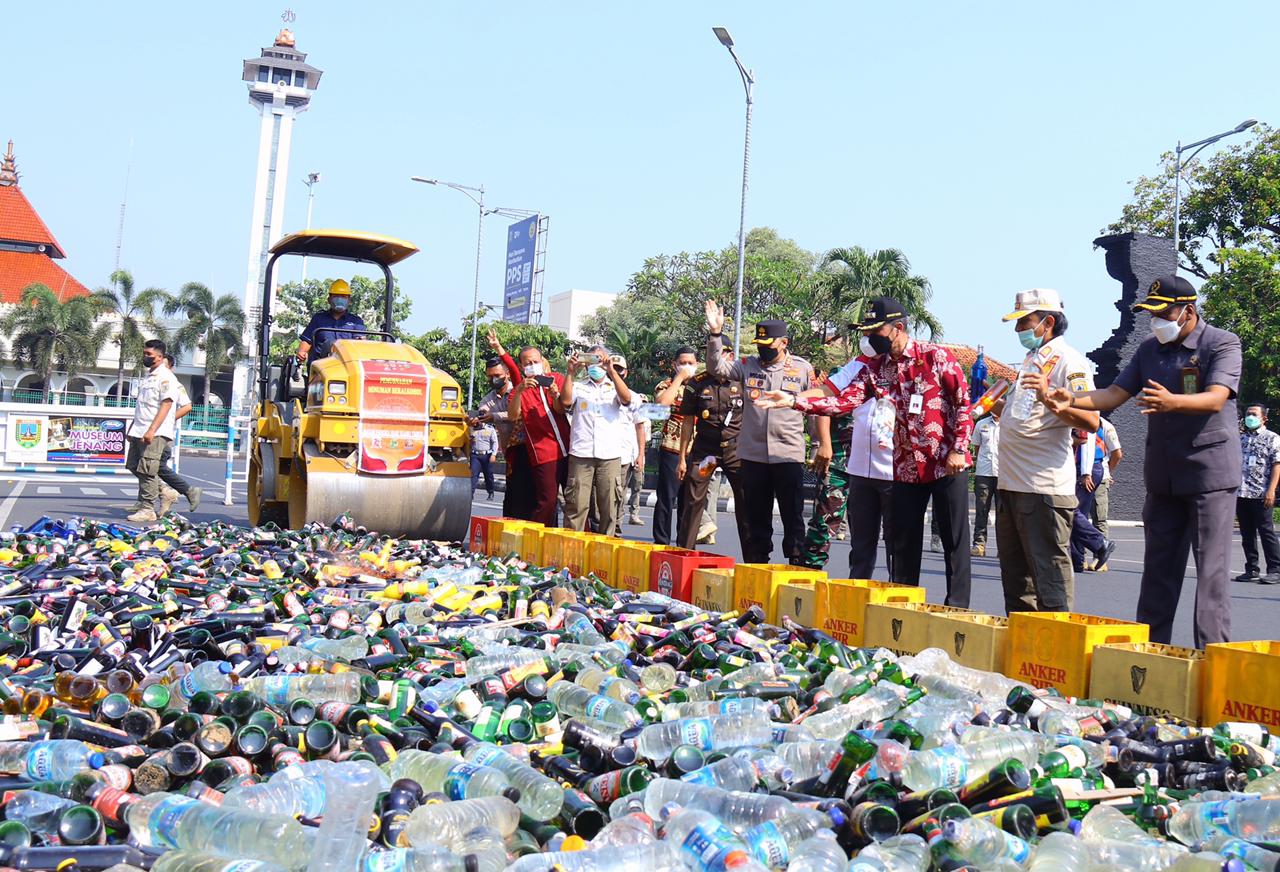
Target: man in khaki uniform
(771, 445)
(151, 430)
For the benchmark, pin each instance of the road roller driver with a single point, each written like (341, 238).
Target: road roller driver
(330, 323)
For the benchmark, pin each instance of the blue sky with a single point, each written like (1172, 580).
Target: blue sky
(989, 141)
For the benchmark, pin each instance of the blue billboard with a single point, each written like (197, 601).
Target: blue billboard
(517, 289)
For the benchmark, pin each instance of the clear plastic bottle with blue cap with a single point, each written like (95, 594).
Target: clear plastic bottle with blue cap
(50, 760)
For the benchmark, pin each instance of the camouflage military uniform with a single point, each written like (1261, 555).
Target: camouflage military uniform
(831, 502)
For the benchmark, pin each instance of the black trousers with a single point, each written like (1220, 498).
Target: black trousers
(951, 510)
(1255, 523)
(669, 498)
(870, 506)
(762, 484)
(481, 463)
(694, 493)
(517, 499)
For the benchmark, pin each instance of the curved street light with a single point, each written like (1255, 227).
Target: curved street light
(1199, 145)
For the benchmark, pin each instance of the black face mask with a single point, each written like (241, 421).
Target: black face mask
(498, 382)
(882, 344)
(768, 353)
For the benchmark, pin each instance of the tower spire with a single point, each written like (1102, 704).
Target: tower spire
(8, 169)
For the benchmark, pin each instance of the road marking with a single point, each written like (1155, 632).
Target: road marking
(93, 491)
(54, 491)
(6, 508)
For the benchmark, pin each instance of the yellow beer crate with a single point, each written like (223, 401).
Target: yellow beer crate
(511, 542)
(844, 613)
(554, 541)
(602, 558)
(971, 638)
(712, 589)
(799, 600)
(499, 526)
(758, 583)
(573, 551)
(1150, 678)
(903, 627)
(1055, 649)
(1242, 683)
(531, 544)
(633, 565)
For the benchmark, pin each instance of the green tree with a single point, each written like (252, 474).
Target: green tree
(134, 310)
(48, 334)
(215, 325)
(851, 277)
(1230, 238)
(298, 301)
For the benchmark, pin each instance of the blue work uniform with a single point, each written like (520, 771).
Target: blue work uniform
(321, 344)
(1192, 473)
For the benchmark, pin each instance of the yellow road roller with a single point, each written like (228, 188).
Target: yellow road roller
(373, 429)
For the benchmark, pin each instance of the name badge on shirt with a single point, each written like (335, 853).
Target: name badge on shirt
(1191, 379)
(916, 404)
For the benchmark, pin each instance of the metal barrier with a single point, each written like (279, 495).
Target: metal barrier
(234, 424)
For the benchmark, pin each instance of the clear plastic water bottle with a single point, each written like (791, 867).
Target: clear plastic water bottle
(705, 843)
(350, 792)
(808, 759)
(936, 662)
(1257, 820)
(657, 741)
(347, 648)
(654, 857)
(583, 630)
(38, 811)
(573, 700)
(954, 765)
(1058, 851)
(1113, 854)
(455, 778)
(1023, 401)
(705, 708)
(295, 790)
(50, 760)
(905, 853)
(166, 820)
(771, 770)
(443, 693)
(603, 683)
(636, 828)
(876, 705)
(213, 676)
(658, 677)
(541, 798)
(198, 861)
(1107, 822)
(736, 809)
(731, 773)
(821, 853)
(484, 848)
(982, 843)
(652, 412)
(282, 689)
(772, 842)
(1255, 857)
(429, 858)
(446, 822)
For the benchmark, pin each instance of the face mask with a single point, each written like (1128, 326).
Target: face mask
(498, 382)
(1029, 339)
(880, 344)
(867, 349)
(151, 362)
(533, 369)
(595, 372)
(1165, 330)
(339, 304)
(768, 354)
(1252, 422)
(687, 369)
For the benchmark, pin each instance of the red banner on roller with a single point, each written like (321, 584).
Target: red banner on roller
(393, 416)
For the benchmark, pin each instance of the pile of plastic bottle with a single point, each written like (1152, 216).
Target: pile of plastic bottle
(205, 698)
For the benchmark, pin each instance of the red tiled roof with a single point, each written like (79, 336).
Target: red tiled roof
(967, 354)
(19, 222)
(21, 268)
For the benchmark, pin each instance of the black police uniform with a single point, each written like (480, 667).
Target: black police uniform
(715, 407)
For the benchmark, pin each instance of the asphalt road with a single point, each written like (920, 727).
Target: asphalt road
(1255, 608)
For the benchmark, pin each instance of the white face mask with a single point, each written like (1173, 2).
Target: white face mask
(687, 369)
(533, 369)
(864, 345)
(1167, 331)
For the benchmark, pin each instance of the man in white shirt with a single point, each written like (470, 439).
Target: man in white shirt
(601, 425)
(151, 430)
(984, 445)
(174, 484)
(1102, 496)
(632, 454)
(1037, 467)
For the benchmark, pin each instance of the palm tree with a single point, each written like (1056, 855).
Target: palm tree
(134, 309)
(213, 324)
(853, 276)
(49, 334)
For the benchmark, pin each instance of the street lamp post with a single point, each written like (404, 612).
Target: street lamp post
(475, 300)
(748, 84)
(1177, 177)
(310, 181)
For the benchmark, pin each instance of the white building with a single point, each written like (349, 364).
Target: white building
(567, 309)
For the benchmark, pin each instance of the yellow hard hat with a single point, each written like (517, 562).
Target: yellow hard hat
(340, 288)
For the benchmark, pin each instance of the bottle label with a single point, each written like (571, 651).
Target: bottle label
(953, 765)
(275, 690)
(455, 783)
(1216, 815)
(1016, 849)
(606, 788)
(703, 775)
(767, 845)
(702, 848)
(385, 861)
(167, 817)
(187, 685)
(597, 706)
(484, 754)
(244, 866)
(40, 761)
(696, 732)
(733, 706)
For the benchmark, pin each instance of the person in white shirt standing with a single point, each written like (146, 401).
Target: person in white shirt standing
(1102, 496)
(632, 457)
(984, 445)
(174, 484)
(600, 426)
(151, 430)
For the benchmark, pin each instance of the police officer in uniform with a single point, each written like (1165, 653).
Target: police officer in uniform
(771, 447)
(1185, 378)
(712, 406)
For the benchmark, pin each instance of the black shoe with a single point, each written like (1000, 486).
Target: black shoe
(1248, 577)
(1270, 578)
(1103, 554)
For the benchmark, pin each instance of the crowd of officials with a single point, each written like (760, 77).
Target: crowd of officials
(895, 431)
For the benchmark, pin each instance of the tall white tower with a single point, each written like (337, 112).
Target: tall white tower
(280, 83)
